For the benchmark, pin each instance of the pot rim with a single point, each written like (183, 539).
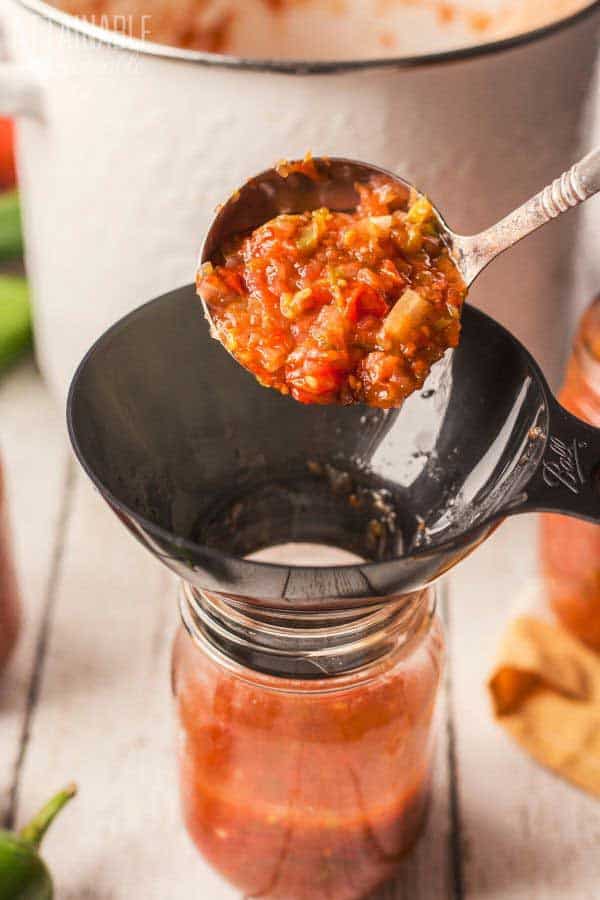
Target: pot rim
(295, 66)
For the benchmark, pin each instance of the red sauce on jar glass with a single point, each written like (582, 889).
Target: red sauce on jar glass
(570, 548)
(10, 609)
(305, 754)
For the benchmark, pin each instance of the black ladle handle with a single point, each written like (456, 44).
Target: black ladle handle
(567, 479)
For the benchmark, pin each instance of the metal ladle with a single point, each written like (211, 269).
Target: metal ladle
(269, 194)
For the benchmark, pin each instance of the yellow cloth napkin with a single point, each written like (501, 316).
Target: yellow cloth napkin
(545, 692)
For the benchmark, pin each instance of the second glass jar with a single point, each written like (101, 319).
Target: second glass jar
(570, 548)
(305, 745)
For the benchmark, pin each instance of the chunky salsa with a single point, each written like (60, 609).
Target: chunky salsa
(340, 307)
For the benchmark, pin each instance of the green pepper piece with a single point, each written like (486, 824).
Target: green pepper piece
(23, 873)
(15, 318)
(11, 235)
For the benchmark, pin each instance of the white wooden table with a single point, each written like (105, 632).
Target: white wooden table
(87, 699)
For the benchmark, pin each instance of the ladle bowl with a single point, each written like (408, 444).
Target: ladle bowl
(332, 184)
(205, 466)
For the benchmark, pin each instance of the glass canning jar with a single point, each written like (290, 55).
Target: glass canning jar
(10, 608)
(305, 741)
(570, 548)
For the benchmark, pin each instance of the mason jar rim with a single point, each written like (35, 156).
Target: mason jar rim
(299, 66)
(350, 647)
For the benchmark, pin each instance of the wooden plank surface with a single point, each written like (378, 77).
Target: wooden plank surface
(36, 463)
(525, 834)
(87, 699)
(104, 720)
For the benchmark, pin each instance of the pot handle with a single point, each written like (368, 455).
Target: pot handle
(20, 93)
(567, 479)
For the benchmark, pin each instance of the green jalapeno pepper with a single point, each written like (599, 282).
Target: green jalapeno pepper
(15, 319)
(23, 873)
(11, 237)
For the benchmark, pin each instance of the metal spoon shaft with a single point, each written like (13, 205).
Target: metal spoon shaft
(580, 182)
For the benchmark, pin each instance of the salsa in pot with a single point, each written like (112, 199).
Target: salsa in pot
(340, 307)
(316, 29)
(190, 24)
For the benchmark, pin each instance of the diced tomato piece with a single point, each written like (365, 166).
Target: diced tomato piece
(365, 301)
(233, 280)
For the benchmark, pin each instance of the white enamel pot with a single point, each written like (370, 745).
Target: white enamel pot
(125, 148)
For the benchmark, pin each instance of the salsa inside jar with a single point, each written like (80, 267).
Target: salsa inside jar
(315, 789)
(339, 307)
